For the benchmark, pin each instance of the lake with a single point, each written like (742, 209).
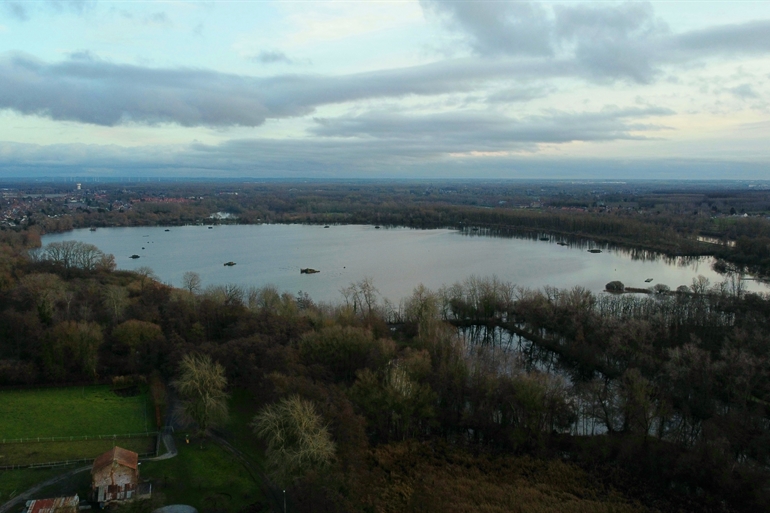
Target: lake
(397, 259)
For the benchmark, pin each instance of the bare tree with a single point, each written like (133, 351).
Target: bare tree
(361, 296)
(72, 254)
(700, 285)
(201, 385)
(229, 294)
(191, 282)
(368, 293)
(297, 440)
(116, 299)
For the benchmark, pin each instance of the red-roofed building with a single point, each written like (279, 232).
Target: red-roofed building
(115, 476)
(55, 505)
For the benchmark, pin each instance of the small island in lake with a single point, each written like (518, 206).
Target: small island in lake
(229, 264)
(308, 271)
(134, 256)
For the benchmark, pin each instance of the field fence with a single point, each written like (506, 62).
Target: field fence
(145, 434)
(62, 463)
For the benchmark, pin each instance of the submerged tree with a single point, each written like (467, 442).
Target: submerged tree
(201, 385)
(297, 440)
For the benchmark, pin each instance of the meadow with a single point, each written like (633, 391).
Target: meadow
(75, 412)
(72, 411)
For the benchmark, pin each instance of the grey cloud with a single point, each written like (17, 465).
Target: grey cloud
(375, 144)
(16, 10)
(83, 55)
(78, 6)
(157, 18)
(494, 28)
(604, 43)
(746, 38)
(612, 42)
(489, 132)
(519, 94)
(109, 94)
(592, 21)
(339, 159)
(625, 48)
(22, 11)
(744, 92)
(272, 57)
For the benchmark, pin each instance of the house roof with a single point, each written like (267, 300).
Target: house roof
(53, 505)
(119, 455)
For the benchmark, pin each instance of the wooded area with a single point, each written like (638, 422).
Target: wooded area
(655, 402)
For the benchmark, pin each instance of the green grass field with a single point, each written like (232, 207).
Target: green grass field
(207, 477)
(241, 436)
(72, 411)
(44, 452)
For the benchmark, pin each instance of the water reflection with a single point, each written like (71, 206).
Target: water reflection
(636, 254)
(503, 351)
(396, 259)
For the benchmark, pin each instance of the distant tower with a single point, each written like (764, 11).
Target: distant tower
(77, 185)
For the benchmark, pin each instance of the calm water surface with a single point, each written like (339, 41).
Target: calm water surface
(397, 259)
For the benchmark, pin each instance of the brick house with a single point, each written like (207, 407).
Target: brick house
(115, 477)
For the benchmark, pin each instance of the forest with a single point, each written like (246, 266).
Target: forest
(455, 398)
(635, 402)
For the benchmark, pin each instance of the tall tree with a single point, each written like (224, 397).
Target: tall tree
(201, 385)
(297, 440)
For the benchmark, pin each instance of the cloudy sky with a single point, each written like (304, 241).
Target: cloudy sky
(385, 89)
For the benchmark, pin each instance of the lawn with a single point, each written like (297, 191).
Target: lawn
(204, 476)
(238, 430)
(72, 411)
(43, 452)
